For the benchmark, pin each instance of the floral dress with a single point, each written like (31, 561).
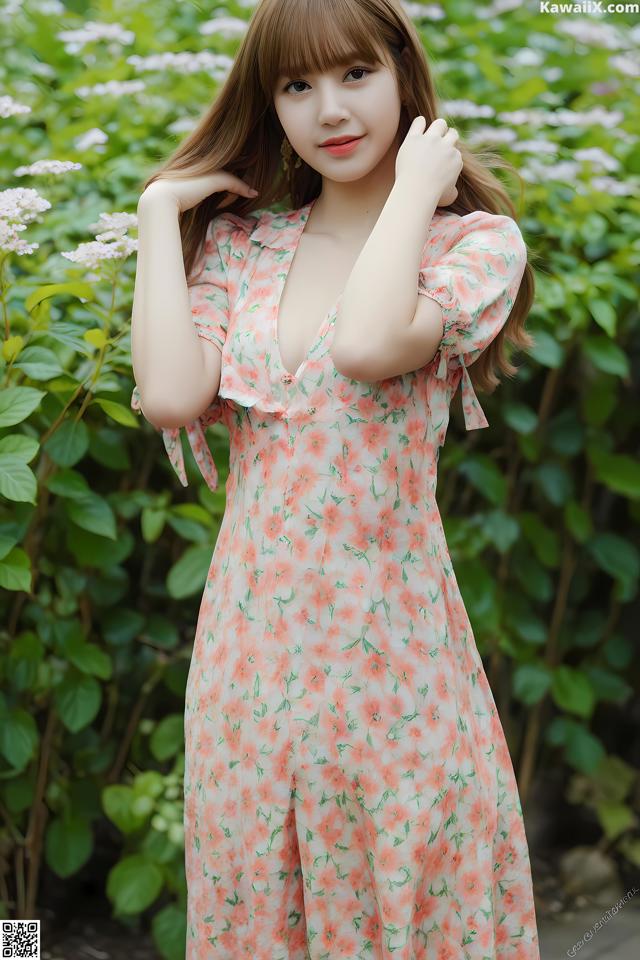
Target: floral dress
(349, 792)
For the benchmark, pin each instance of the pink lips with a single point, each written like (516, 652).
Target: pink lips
(340, 149)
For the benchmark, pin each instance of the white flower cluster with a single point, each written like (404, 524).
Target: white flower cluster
(537, 116)
(112, 88)
(466, 109)
(91, 31)
(423, 11)
(185, 62)
(592, 34)
(18, 207)
(47, 166)
(111, 243)
(89, 139)
(10, 107)
(223, 26)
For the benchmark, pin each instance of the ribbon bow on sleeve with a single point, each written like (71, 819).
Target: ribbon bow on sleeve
(474, 417)
(197, 441)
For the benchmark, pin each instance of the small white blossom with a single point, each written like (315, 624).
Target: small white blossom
(596, 34)
(536, 116)
(112, 88)
(10, 107)
(526, 57)
(598, 157)
(496, 8)
(616, 187)
(423, 11)
(182, 125)
(185, 62)
(627, 63)
(47, 166)
(94, 253)
(18, 207)
(225, 26)
(536, 146)
(111, 243)
(112, 226)
(92, 31)
(465, 108)
(91, 138)
(566, 171)
(491, 135)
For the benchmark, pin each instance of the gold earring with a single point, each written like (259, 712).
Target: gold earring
(286, 151)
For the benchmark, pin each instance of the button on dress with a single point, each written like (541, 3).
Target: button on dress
(348, 787)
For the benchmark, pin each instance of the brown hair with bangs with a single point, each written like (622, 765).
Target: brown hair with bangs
(241, 133)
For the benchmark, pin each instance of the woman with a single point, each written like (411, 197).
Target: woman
(348, 787)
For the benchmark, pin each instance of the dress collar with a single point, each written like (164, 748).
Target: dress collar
(281, 231)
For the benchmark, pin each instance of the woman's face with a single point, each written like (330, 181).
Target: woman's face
(358, 99)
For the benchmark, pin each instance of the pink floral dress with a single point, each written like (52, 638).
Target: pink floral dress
(348, 788)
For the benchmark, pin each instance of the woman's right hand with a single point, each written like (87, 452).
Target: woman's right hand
(189, 191)
(430, 158)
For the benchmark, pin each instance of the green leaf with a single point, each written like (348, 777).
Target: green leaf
(604, 315)
(615, 818)
(118, 412)
(607, 356)
(520, 417)
(169, 931)
(583, 750)
(90, 659)
(618, 471)
(76, 288)
(152, 521)
(68, 483)
(18, 737)
(39, 363)
(133, 884)
(17, 480)
(485, 476)
(77, 699)
(118, 803)
(93, 513)
(168, 737)
(578, 521)
(531, 681)
(546, 350)
(15, 571)
(21, 446)
(69, 443)
(68, 845)
(616, 556)
(188, 576)
(572, 691)
(18, 403)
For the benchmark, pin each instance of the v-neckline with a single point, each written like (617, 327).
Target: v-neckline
(304, 213)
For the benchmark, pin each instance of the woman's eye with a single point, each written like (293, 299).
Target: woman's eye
(353, 70)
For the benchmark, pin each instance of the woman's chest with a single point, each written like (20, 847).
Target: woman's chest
(309, 288)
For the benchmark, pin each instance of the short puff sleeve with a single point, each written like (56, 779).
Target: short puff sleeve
(472, 266)
(211, 286)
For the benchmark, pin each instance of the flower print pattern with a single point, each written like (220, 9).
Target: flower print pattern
(349, 792)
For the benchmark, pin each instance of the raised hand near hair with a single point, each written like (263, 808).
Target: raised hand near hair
(188, 191)
(430, 158)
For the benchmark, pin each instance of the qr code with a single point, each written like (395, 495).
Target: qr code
(20, 938)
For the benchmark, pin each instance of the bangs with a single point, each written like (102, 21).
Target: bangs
(313, 36)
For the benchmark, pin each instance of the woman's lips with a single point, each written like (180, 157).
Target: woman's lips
(340, 149)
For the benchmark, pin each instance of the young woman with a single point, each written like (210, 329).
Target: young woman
(348, 788)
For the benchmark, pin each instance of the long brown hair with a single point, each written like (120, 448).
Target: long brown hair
(241, 132)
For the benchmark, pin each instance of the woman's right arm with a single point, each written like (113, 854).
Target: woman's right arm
(176, 371)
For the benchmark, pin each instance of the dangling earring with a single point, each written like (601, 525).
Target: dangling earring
(285, 151)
